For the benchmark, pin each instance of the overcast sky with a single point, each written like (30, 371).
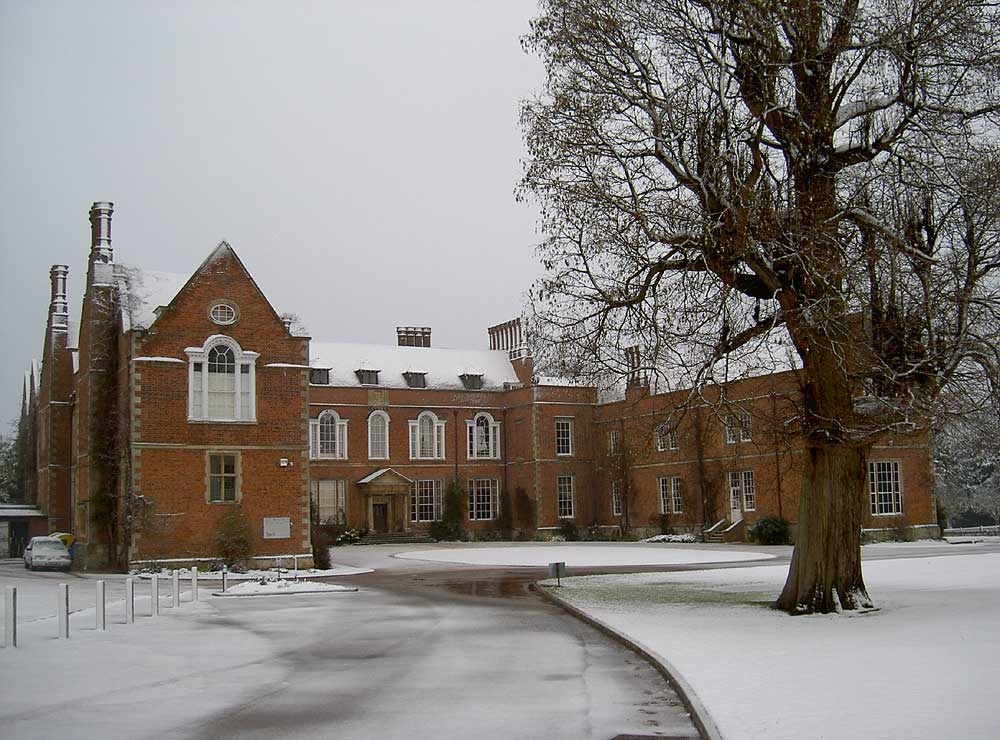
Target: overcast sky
(360, 157)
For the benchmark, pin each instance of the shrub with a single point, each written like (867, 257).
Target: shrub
(232, 537)
(665, 527)
(568, 531)
(900, 531)
(449, 527)
(770, 530)
(321, 547)
(942, 518)
(505, 517)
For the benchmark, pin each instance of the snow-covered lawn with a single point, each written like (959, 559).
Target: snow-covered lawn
(253, 575)
(590, 555)
(925, 665)
(281, 587)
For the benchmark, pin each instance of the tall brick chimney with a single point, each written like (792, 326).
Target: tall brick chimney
(101, 253)
(638, 382)
(413, 336)
(58, 306)
(509, 337)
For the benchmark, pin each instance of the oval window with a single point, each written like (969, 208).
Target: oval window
(223, 313)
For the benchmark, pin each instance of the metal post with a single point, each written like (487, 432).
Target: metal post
(194, 583)
(101, 620)
(62, 609)
(129, 600)
(177, 588)
(225, 573)
(10, 616)
(154, 595)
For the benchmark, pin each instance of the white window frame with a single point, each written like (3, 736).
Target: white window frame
(617, 508)
(484, 499)
(426, 497)
(569, 447)
(565, 496)
(614, 441)
(739, 427)
(339, 438)
(474, 449)
(885, 501)
(663, 486)
(666, 438)
(743, 485)
(437, 450)
(198, 406)
(378, 414)
(335, 499)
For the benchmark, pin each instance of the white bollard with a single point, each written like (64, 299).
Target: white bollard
(154, 598)
(100, 612)
(225, 574)
(129, 600)
(62, 609)
(10, 616)
(177, 588)
(194, 584)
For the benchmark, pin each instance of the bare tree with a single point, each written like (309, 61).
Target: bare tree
(740, 184)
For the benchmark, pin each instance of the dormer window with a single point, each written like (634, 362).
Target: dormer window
(319, 377)
(367, 377)
(472, 381)
(415, 380)
(223, 314)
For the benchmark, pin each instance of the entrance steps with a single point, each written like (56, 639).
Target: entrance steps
(396, 538)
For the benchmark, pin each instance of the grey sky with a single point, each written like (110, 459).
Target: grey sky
(360, 156)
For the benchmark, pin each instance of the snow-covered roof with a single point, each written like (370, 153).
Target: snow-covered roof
(441, 366)
(145, 291)
(562, 382)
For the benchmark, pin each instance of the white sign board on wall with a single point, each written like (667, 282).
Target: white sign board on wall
(277, 528)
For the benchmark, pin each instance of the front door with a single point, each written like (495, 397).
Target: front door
(380, 517)
(735, 498)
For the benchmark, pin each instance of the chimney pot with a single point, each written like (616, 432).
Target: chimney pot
(413, 336)
(100, 232)
(59, 306)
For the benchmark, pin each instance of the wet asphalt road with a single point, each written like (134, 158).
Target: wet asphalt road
(448, 654)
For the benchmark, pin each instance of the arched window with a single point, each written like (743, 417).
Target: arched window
(426, 437)
(221, 381)
(484, 437)
(328, 437)
(378, 436)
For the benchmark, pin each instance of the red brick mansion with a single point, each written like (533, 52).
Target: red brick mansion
(174, 397)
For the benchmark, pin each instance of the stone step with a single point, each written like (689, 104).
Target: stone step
(396, 539)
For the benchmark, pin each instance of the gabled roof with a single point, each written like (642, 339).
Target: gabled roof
(143, 292)
(389, 472)
(443, 367)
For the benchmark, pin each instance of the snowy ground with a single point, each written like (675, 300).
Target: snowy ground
(281, 588)
(585, 555)
(925, 665)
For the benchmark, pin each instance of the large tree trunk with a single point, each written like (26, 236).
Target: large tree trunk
(825, 574)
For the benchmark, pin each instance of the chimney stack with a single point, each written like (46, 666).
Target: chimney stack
(509, 337)
(101, 254)
(413, 336)
(59, 306)
(633, 359)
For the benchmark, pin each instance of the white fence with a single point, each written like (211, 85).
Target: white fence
(62, 597)
(990, 531)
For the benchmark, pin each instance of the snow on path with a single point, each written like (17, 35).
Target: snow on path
(280, 588)
(593, 556)
(925, 665)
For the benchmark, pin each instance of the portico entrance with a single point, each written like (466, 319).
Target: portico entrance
(386, 495)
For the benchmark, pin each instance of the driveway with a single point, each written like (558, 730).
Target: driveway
(420, 651)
